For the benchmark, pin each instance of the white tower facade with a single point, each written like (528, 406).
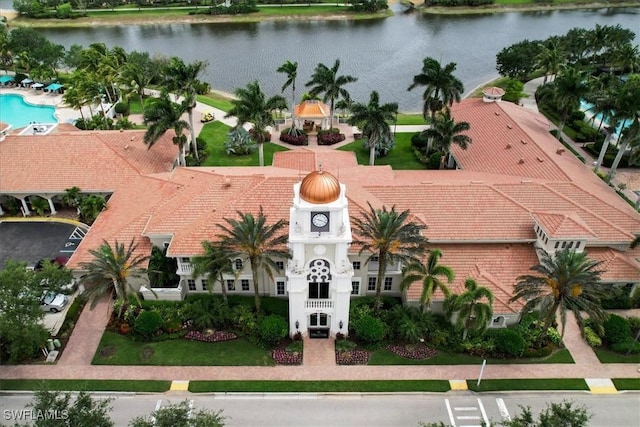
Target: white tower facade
(319, 272)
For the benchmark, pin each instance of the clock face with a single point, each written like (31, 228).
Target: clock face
(320, 220)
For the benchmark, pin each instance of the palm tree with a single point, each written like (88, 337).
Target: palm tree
(442, 88)
(251, 238)
(627, 110)
(473, 314)
(429, 274)
(215, 262)
(568, 89)
(162, 115)
(445, 131)
(551, 57)
(291, 70)
(326, 81)
(182, 80)
(252, 105)
(113, 269)
(389, 237)
(565, 281)
(373, 120)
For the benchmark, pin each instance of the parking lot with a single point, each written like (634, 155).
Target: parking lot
(33, 241)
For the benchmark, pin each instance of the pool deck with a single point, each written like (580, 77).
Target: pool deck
(63, 113)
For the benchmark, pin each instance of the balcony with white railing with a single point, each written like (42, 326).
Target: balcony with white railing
(319, 303)
(185, 268)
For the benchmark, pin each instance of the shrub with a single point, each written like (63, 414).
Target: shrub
(273, 328)
(239, 142)
(592, 338)
(147, 324)
(616, 330)
(122, 108)
(369, 329)
(510, 343)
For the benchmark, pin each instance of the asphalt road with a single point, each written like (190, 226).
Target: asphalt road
(457, 409)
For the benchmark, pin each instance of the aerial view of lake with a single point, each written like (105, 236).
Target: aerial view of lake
(383, 54)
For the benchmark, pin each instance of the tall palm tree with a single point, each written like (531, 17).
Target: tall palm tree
(182, 80)
(473, 314)
(429, 274)
(214, 262)
(327, 82)
(445, 131)
(389, 237)
(442, 88)
(251, 238)
(565, 281)
(627, 111)
(373, 120)
(251, 105)
(113, 269)
(568, 89)
(291, 70)
(551, 57)
(162, 115)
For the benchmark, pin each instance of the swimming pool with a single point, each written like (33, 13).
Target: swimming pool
(16, 112)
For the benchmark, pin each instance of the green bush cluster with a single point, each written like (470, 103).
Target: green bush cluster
(273, 329)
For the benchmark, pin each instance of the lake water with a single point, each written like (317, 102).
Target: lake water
(383, 54)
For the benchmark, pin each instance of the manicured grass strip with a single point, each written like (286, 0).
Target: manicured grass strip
(401, 157)
(410, 119)
(529, 384)
(116, 349)
(319, 386)
(385, 357)
(216, 101)
(626, 383)
(88, 385)
(607, 356)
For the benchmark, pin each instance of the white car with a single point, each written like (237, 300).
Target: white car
(53, 302)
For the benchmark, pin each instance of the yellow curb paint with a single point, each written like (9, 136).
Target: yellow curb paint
(458, 385)
(179, 386)
(47, 219)
(603, 390)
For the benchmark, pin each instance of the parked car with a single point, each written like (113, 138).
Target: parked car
(53, 302)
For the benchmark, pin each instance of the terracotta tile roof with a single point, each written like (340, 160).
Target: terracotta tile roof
(312, 110)
(506, 146)
(617, 266)
(567, 225)
(58, 161)
(495, 266)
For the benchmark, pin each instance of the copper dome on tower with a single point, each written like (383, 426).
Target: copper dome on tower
(320, 187)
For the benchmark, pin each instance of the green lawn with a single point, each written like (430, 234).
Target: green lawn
(320, 386)
(529, 384)
(386, 357)
(179, 352)
(216, 101)
(626, 383)
(88, 385)
(215, 134)
(607, 356)
(401, 157)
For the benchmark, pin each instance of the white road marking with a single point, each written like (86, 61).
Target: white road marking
(502, 407)
(451, 419)
(484, 413)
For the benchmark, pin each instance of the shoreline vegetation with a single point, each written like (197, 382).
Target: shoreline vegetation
(315, 12)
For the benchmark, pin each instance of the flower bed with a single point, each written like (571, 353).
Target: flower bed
(352, 357)
(412, 352)
(284, 357)
(217, 336)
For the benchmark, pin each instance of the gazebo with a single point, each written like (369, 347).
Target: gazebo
(309, 111)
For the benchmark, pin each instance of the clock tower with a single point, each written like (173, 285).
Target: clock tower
(319, 272)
